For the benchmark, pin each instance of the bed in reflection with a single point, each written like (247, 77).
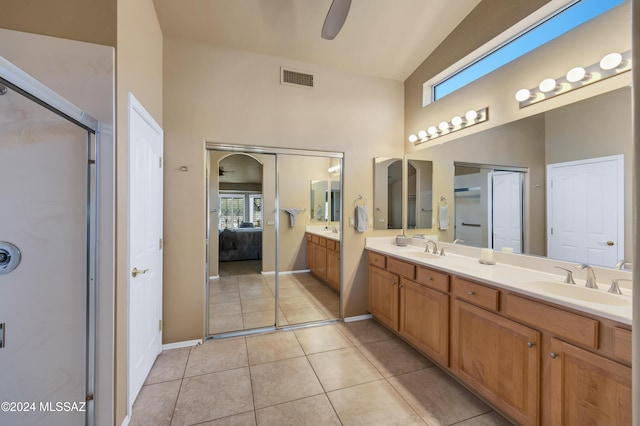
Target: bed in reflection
(240, 244)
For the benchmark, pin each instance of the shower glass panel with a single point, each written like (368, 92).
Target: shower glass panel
(45, 300)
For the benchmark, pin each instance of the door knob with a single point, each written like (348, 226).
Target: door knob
(135, 272)
(610, 243)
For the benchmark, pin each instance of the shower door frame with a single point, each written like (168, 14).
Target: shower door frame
(22, 83)
(250, 149)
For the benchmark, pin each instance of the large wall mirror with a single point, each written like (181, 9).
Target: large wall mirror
(564, 176)
(387, 174)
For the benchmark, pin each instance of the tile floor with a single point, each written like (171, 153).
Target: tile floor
(242, 298)
(353, 373)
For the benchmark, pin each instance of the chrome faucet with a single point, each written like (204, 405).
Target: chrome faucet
(622, 263)
(615, 289)
(435, 247)
(568, 279)
(591, 276)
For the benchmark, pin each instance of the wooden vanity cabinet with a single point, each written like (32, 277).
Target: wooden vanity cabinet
(323, 259)
(497, 357)
(382, 299)
(587, 389)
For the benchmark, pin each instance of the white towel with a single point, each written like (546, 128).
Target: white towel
(293, 213)
(362, 218)
(443, 216)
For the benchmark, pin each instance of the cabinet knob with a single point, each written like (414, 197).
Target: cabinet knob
(530, 344)
(471, 293)
(553, 355)
(393, 283)
(400, 286)
(430, 279)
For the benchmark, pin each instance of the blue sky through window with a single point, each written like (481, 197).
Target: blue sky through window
(568, 19)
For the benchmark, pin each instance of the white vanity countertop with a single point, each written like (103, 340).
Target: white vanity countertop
(323, 231)
(532, 282)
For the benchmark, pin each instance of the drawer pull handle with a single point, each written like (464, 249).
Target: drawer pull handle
(553, 355)
(471, 293)
(530, 344)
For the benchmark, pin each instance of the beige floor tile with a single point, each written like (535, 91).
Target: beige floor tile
(374, 403)
(291, 292)
(393, 357)
(258, 304)
(244, 419)
(489, 419)
(213, 396)
(256, 292)
(223, 285)
(217, 355)
(363, 332)
(300, 316)
(169, 365)
(283, 381)
(297, 302)
(343, 368)
(437, 398)
(322, 338)
(332, 310)
(222, 309)
(258, 319)
(226, 297)
(273, 347)
(154, 404)
(312, 411)
(225, 324)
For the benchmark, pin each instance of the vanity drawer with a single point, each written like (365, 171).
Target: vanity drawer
(322, 242)
(377, 260)
(309, 238)
(401, 268)
(331, 244)
(622, 344)
(315, 239)
(433, 279)
(475, 293)
(566, 325)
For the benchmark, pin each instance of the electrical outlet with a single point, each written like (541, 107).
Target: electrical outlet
(352, 221)
(271, 222)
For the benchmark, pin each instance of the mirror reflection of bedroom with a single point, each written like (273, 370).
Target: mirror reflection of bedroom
(246, 248)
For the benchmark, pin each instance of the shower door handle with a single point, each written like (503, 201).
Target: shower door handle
(135, 272)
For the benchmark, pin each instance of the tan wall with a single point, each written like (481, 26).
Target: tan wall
(93, 21)
(139, 71)
(229, 96)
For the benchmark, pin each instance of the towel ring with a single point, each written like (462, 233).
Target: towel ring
(443, 201)
(360, 198)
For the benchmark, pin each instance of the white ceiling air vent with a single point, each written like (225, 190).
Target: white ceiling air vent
(296, 78)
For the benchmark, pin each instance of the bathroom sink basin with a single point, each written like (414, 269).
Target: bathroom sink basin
(578, 292)
(415, 252)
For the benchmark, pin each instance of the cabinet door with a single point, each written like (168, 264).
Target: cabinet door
(424, 319)
(587, 389)
(321, 262)
(311, 255)
(383, 296)
(499, 358)
(333, 269)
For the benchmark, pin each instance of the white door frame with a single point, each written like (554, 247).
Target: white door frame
(135, 107)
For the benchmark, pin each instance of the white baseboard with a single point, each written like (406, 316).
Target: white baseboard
(214, 277)
(126, 420)
(358, 318)
(299, 271)
(184, 344)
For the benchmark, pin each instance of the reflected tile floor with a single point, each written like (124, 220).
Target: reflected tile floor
(332, 374)
(242, 299)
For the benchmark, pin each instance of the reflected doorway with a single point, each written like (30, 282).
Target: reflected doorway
(259, 275)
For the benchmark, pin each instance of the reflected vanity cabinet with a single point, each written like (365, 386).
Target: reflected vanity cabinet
(323, 259)
(536, 362)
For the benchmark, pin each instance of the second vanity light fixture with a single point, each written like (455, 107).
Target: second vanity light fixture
(610, 65)
(458, 122)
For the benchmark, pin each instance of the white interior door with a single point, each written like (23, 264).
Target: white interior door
(585, 208)
(145, 248)
(43, 302)
(507, 210)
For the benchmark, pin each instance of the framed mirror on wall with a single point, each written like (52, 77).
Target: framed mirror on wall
(387, 175)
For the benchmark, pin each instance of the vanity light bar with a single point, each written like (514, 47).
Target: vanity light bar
(610, 65)
(472, 117)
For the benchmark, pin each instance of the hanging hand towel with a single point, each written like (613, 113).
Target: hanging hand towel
(362, 218)
(293, 213)
(443, 216)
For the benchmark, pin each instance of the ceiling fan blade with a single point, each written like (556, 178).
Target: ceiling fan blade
(335, 18)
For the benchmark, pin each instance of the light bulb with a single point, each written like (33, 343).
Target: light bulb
(471, 115)
(456, 121)
(547, 85)
(422, 134)
(413, 138)
(611, 61)
(432, 130)
(576, 74)
(522, 95)
(444, 126)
